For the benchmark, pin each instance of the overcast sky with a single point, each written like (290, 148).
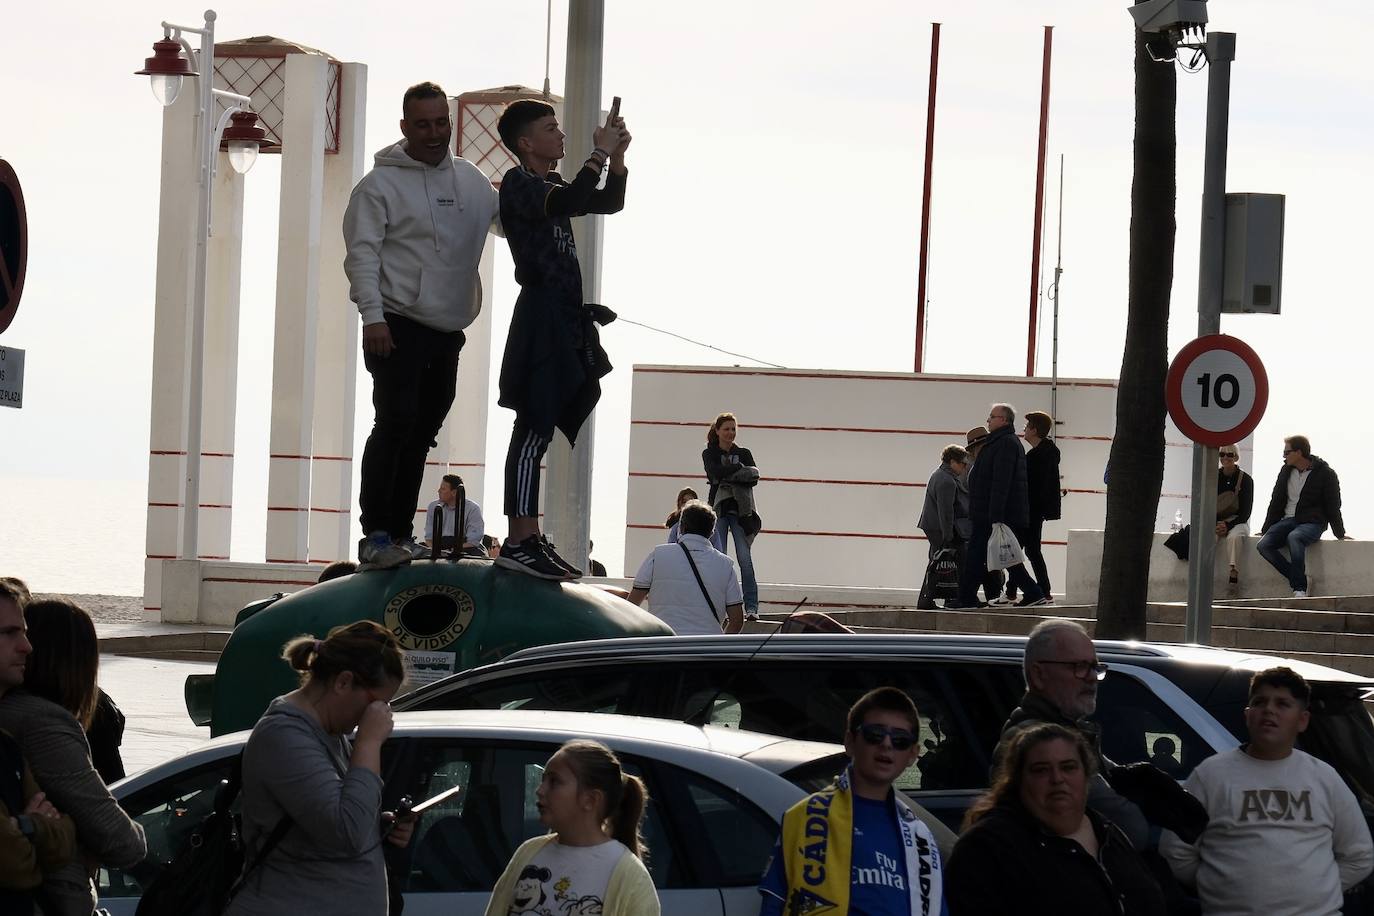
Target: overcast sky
(773, 204)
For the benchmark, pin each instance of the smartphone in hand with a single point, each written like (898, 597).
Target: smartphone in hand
(615, 111)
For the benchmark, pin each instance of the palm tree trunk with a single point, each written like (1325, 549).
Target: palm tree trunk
(1136, 465)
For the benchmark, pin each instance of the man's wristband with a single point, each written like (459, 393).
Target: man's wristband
(25, 825)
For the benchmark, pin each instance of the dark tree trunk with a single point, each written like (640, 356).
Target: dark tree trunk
(1136, 465)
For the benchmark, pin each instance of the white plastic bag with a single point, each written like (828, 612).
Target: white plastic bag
(1003, 550)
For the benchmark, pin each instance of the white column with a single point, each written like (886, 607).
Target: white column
(167, 421)
(224, 262)
(298, 290)
(462, 448)
(336, 337)
(568, 483)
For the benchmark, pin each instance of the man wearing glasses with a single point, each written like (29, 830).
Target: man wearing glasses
(1306, 498)
(857, 847)
(997, 494)
(1062, 672)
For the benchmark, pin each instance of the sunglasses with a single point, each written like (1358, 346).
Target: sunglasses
(1228, 455)
(874, 734)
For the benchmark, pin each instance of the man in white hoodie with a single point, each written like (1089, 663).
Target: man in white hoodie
(415, 228)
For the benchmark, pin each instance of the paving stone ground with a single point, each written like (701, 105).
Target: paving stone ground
(149, 691)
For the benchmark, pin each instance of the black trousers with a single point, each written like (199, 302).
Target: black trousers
(527, 447)
(976, 567)
(412, 390)
(1036, 556)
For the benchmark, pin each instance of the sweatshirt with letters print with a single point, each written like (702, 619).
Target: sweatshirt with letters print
(415, 235)
(1284, 837)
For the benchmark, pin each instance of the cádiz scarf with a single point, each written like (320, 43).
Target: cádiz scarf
(818, 870)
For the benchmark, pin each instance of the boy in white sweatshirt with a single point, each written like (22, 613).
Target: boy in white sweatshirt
(1286, 836)
(415, 228)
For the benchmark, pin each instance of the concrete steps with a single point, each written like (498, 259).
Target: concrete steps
(1334, 631)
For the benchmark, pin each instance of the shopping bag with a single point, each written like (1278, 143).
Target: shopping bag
(942, 575)
(1003, 550)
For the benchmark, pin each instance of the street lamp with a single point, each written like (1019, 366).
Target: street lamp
(167, 69)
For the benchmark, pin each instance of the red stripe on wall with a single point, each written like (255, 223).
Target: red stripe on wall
(838, 534)
(155, 451)
(847, 483)
(260, 581)
(948, 379)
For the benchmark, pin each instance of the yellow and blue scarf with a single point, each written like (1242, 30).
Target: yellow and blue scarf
(818, 870)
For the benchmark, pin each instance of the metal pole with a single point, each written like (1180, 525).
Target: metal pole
(568, 491)
(1039, 200)
(1202, 547)
(924, 268)
(1058, 272)
(205, 83)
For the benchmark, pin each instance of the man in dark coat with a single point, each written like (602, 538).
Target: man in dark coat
(1306, 498)
(997, 491)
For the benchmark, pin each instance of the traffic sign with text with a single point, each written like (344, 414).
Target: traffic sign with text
(11, 377)
(1217, 390)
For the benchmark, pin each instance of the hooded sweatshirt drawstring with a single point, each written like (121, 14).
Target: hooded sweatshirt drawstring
(433, 220)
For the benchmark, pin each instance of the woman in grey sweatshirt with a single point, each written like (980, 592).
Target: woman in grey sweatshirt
(298, 764)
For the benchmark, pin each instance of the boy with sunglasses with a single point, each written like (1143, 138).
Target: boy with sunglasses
(857, 847)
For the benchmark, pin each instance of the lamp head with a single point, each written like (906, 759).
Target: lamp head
(241, 139)
(165, 70)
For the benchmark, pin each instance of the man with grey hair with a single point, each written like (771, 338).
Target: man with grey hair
(998, 494)
(690, 585)
(1062, 672)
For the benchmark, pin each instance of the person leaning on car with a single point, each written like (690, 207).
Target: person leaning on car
(1062, 672)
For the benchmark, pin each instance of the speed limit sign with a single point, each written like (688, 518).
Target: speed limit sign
(1217, 390)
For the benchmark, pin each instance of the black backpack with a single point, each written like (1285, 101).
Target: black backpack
(211, 864)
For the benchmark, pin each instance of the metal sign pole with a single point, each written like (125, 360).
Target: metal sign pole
(1202, 547)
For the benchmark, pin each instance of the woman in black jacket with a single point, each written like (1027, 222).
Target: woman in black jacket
(732, 473)
(1235, 501)
(1032, 847)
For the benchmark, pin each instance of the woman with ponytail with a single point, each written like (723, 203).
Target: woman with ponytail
(312, 818)
(592, 859)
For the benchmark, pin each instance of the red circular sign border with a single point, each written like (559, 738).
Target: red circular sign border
(1173, 390)
(11, 181)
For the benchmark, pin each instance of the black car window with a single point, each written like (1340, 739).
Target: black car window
(962, 707)
(1137, 724)
(168, 811)
(741, 834)
(465, 843)
(580, 690)
(1340, 732)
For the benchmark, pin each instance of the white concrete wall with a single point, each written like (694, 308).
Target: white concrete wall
(845, 457)
(1335, 568)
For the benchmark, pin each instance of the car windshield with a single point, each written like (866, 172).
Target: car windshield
(817, 774)
(1342, 734)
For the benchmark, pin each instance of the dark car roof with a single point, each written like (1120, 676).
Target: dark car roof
(1202, 660)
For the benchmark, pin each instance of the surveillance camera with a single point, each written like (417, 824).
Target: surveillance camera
(1172, 17)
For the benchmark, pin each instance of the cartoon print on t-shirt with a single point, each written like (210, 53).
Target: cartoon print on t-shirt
(589, 905)
(529, 892)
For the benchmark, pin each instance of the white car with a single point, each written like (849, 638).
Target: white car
(717, 796)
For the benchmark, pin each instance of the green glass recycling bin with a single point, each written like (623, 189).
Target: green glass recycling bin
(448, 617)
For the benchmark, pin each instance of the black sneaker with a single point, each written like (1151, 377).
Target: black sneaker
(528, 557)
(572, 571)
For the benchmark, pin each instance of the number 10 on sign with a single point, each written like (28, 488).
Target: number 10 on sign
(1217, 390)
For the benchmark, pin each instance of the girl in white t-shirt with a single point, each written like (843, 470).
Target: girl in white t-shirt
(591, 862)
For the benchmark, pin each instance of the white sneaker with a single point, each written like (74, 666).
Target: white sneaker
(1300, 594)
(1002, 601)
